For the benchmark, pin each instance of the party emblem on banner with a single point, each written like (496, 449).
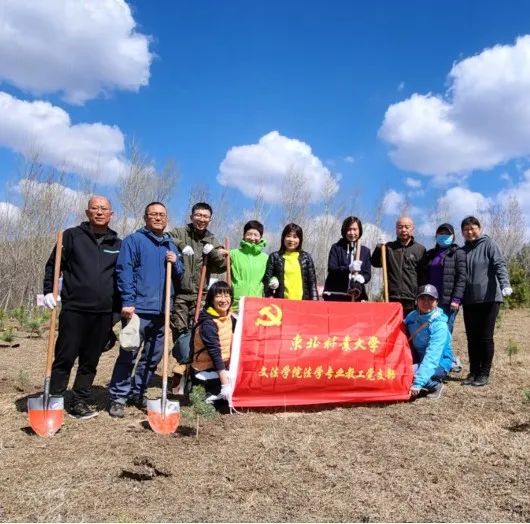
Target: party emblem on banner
(289, 352)
(269, 316)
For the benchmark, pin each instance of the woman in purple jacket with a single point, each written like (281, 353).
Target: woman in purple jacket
(346, 274)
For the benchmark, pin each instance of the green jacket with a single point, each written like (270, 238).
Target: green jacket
(187, 236)
(247, 268)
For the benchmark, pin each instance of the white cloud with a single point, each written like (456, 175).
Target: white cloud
(393, 202)
(78, 48)
(401, 86)
(413, 183)
(94, 151)
(8, 212)
(264, 169)
(349, 159)
(482, 121)
(70, 198)
(521, 192)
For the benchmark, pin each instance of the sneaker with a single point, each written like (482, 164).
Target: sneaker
(468, 381)
(137, 401)
(116, 409)
(457, 365)
(481, 380)
(436, 393)
(81, 410)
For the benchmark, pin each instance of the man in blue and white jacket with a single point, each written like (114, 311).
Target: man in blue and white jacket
(430, 341)
(140, 272)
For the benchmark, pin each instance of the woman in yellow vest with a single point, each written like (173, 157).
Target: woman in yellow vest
(212, 341)
(290, 272)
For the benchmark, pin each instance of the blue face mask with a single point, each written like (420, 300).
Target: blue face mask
(444, 240)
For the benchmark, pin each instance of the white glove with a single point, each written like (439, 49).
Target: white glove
(226, 391)
(381, 239)
(49, 300)
(355, 266)
(188, 251)
(358, 278)
(506, 292)
(274, 283)
(207, 249)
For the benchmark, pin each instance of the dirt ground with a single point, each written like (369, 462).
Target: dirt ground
(464, 457)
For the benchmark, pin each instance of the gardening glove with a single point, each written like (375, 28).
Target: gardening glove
(226, 391)
(358, 278)
(49, 300)
(507, 291)
(207, 249)
(381, 240)
(274, 283)
(355, 266)
(188, 251)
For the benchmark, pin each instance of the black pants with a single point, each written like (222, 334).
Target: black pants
(81, 335)
(479, 320)
(408, 305)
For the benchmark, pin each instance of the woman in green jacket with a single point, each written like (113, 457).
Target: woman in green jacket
(248, 263)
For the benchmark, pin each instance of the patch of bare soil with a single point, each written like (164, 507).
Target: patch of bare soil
(465, 457)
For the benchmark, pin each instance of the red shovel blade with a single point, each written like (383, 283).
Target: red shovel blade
(45, 420)
(164, 422)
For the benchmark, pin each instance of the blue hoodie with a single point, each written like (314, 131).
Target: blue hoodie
(431, 345)
(141, 271)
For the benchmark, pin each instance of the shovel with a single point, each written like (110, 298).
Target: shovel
(45, 412)
(385, 273)
(164, 415)
(228, 267)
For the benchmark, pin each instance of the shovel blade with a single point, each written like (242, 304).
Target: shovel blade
(45, 420)
(163, 421)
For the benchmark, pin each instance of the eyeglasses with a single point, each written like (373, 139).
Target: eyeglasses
(404, 226)
(95, 209)
(201, 215)
(155, 215)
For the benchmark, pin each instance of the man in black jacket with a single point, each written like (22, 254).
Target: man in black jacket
(88, 296)
(403, 257)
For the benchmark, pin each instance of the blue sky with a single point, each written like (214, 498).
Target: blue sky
(407, 101)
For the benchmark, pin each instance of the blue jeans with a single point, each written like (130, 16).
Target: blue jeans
(451, 315)
(123, 385)
(433, 382)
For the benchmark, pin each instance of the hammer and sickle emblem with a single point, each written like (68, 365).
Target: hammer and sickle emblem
(269, 316)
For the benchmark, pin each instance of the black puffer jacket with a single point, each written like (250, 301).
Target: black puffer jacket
(454, 272)
(275, 268)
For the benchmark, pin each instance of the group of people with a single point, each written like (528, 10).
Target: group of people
(103, 276)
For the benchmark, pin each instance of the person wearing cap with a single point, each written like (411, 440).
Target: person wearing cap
(403, 258)
(487, 283)
(444, 266)
(141, 278)
(346, 274)
(430, 342)
(248, 263)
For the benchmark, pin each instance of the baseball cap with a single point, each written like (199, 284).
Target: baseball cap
(428, 289)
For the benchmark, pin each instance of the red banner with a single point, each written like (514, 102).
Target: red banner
(289, 352)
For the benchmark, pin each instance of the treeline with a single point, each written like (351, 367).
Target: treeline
(27, 234)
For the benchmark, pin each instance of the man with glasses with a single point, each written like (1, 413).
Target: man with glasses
(88, 298)
(403, 257)
(141, 276)
(197, 244)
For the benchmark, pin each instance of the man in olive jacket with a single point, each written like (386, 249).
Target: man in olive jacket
(403, 259)
(196, 244)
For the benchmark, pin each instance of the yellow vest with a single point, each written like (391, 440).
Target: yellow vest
(201, 357)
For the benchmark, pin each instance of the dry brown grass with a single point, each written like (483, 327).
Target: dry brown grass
(465, 457)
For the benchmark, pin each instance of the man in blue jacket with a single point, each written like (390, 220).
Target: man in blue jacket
(140, 272)
(431, 344)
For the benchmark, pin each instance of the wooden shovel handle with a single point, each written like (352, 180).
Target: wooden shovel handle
(53, 320)
(167, 306)
(385, 273)
(202, 278)
(228, 267)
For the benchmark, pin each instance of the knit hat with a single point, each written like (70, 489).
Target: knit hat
(446, 227)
